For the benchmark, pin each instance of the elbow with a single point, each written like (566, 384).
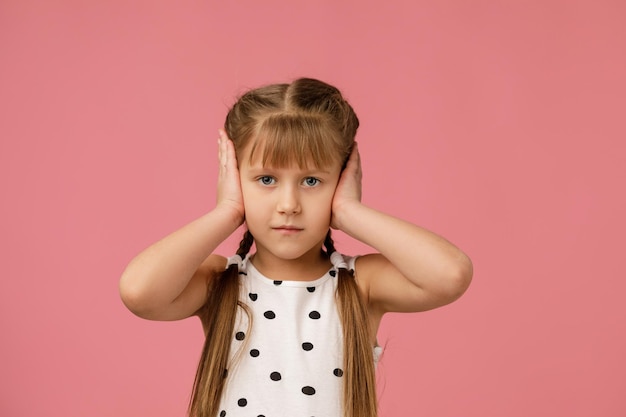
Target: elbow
(461, 277)
(133, 297)
(457, 280)
(129, 295)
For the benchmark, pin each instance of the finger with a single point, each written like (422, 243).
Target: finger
(227, 150)
(354, 154)
(354, 161)
(222, 157)
(231, 155)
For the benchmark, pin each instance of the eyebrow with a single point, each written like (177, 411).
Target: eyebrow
(265, 168)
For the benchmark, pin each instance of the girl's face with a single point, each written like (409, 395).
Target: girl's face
(287, 209)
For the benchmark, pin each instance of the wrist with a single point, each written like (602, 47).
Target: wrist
(229, 213)
(345, 213)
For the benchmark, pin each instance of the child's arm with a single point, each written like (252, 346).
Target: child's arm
(416, 269)
(168, 280)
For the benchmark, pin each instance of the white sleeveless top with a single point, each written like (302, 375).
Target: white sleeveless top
(290, 362)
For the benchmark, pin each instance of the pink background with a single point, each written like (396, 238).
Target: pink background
(499, 124)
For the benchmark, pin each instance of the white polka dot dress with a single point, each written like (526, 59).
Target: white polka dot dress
(290, 362)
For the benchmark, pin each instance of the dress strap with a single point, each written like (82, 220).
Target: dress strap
(235, 260)
(337, 260)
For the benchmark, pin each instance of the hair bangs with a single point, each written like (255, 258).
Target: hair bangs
(305, 140)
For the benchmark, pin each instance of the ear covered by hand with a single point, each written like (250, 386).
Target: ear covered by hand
(229, 193)
(348, 189)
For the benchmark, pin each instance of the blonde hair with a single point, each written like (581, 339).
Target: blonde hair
(310, 123)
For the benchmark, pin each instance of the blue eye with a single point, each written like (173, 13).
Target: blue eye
(311, 181)
(266, 180)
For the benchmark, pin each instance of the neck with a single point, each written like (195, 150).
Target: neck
(308, 267)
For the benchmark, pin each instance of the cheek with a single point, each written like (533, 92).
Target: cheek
(248, 194)
(323, 205)
(254, 218)
(252, 204)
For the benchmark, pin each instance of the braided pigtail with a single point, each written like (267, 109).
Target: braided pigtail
(359, 385)
(219, 315)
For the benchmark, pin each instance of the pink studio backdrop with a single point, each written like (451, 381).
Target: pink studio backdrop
(497, 124)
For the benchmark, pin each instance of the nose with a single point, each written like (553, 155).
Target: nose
(288, 201)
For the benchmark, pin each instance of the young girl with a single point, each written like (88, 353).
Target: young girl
(291, 328)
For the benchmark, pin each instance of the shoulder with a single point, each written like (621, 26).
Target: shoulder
(367, 266)
(364, 268)
(212, 266)
(195, 294)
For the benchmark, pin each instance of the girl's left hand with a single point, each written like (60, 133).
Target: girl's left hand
(348, 189)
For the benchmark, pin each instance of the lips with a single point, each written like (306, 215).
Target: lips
(287, 229)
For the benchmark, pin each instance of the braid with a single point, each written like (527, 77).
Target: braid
(329, 244)
(245, 244)
(359, 386)
(219, 315)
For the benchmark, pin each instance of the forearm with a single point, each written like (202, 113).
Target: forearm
(426, 259)
(160, 273)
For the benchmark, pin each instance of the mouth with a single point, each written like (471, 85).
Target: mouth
(287, 229)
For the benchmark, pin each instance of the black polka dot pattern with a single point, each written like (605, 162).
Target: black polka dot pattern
(290, 344)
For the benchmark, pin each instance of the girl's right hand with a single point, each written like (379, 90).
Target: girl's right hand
(168, 280)
(229, 194)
